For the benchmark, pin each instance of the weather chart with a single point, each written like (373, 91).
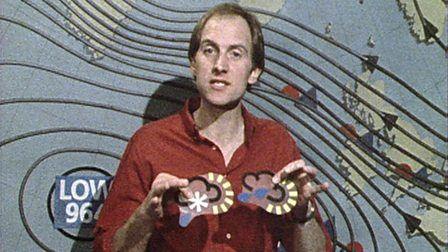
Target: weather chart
(361, 86)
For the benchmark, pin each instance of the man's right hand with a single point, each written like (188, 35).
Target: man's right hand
(162, 183)
(136, 232)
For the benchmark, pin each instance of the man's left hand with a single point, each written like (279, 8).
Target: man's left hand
(301, 175)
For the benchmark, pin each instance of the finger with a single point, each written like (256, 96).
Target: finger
(162, 186)
(305, 175)
(158, 189)
(287, 170)
(305, 171)
(154, 206)
(154, 203)
(186, 193)
(319, 188)
(177, 183)
(159, 211)
(302, 175)
(162, 177)
(310, 171)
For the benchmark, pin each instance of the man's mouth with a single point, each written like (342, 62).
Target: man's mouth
(219, 84)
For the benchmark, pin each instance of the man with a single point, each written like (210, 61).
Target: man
(212, 134)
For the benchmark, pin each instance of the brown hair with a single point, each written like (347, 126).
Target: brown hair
(236, 10)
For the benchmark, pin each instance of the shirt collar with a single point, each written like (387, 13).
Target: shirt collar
(192, 130)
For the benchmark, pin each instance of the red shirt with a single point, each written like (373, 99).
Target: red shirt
(173, 145)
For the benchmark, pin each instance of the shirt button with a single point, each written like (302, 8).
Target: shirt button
(213, 147)
(228, 236)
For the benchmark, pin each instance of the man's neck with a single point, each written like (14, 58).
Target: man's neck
(221, 126)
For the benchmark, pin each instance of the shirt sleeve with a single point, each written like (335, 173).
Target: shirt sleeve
(129, 188)
(290, 152)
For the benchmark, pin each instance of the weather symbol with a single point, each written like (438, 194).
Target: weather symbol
(198, 201)
(212, 194)
(277, 199)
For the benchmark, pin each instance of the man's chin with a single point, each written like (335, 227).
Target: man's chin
(225, 105)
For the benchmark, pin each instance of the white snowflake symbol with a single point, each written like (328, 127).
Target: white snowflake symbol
(198, 201)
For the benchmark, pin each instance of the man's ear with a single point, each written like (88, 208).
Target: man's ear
(253, 77)
(193, 69)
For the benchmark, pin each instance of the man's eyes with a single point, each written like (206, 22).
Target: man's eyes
(232, 54)
(236, 54)
(209, 50)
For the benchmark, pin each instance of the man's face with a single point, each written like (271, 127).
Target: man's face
(223, 62)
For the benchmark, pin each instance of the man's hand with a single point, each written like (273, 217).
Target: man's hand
(162, 183)
(309, 237)
(302, 176)
(136, 232)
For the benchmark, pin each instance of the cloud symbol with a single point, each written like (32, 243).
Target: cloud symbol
(260, 185)
(200, 184)
(213, 194)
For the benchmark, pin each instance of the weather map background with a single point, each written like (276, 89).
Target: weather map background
(362, 86)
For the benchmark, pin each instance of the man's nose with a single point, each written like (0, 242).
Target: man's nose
(221, 64)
